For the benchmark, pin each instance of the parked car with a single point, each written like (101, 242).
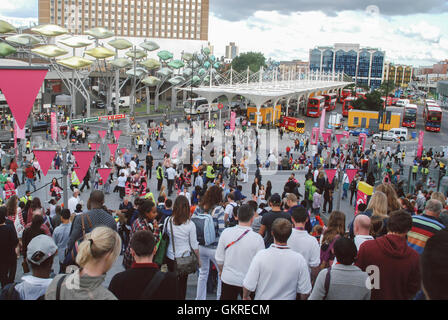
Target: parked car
(357, 131)
(387, 135)
(402, 133)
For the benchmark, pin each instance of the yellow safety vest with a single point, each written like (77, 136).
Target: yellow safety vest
(414, 169)
(75, 179)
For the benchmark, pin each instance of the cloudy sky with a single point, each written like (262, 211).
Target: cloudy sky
(410, 31)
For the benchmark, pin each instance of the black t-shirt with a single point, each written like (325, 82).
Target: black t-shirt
(267, 220)
(130, 284)
(9, 241)
(149, 160)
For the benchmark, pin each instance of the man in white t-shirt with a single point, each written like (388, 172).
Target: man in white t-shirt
(361, 229)
(278, 273)
(237, 247)
(226, 163)
(229, 208)
(73, 201)
(302, 242)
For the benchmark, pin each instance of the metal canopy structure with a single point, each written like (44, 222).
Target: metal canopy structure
(261, 92)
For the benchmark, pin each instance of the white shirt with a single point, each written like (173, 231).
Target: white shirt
(132, 165)
(237, 258)
(184, 235)
(121, 181)
(187, 195)
(300, 241)
(72, 202)
(278, 274)
(360, 239)
(120, 161)
(229, 209)
(171, 173)
(199, 181)
(226, 162)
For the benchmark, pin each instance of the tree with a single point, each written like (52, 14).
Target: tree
(387, 87)
(372, 102)
(253, 60)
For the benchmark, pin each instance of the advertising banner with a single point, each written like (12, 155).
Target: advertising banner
(54, 126)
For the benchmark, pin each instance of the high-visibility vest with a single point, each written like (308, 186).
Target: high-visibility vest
(442, 165)
(28, 144)
(24, 199)
(196, 166)
(74, 178)
(425, 170)
(150, 196)
(159, 172)
(415, 169)
(210, 172)
(10, 190)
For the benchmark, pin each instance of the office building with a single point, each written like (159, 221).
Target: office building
(232, 51)
(295, 66)
(401, 75)
(364, 65)
(172, 19)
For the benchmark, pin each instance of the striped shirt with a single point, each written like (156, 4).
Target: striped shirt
(423, 228)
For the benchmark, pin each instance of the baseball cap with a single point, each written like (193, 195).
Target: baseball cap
(275, 198)
(40, 249)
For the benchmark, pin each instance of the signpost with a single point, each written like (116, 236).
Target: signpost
(98, 119)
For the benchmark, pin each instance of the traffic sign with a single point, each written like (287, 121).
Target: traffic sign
(220, 106)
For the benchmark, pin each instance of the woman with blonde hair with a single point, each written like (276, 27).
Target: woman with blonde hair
(392, 198)
(96, 255)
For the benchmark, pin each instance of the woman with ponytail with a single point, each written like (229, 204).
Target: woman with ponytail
(96, 255)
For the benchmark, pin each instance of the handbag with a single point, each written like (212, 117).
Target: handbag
(18, 226)
(185, 264)
(162, 246)
(70, 257)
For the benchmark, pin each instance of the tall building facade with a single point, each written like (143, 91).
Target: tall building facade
(401, 75)
(365, 65)
(296, 66)
(232, 51)
(173, 19)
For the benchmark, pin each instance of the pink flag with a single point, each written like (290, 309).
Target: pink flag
(123, 150)
(117, 134)
(326, 136)
(330, 174)
(20, 87)
(339, 137)
(102, 133)
(351, 173)
(362, 140)
(94, 146)
(420, 143)
(232, 121)
(54, 126)
(104, 173)
(322, 122)
(112, 148)
(83, 158)
(45, 158)
(20, 133)
(314, 136)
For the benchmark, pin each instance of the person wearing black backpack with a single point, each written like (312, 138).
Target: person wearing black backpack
(231, 211)
(144, 280)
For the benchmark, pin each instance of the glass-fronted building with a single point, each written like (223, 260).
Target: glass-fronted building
(365, 65)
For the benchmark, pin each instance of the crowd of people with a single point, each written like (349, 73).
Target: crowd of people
(270, 245)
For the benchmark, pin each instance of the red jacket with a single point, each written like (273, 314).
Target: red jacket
(399, 269)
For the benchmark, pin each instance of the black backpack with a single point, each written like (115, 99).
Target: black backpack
(232, 220)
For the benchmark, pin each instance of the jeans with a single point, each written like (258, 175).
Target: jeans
(206, 255)
(159, 184)
(28, 182)
(7, 271)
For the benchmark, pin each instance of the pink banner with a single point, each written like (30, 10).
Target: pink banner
(232, 121)
(123, 150)
(104, 173)
(102, 133)
(83, 158)
(361, 198)
(20, 133)
(94, 146)
(54, 126)
(421, 137)
(45, 158)
(330, 174)
(327, 137)
(339, 137)
(117, 134)
(112, 148)
(20, 87)
(351, 173)
(314, 136)
(362, 140)
(322, 122)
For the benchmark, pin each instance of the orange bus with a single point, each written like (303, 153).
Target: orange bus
(432, 115)
(347, 105)
(330, 101)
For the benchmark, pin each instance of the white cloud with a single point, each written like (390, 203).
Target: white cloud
(284, 37)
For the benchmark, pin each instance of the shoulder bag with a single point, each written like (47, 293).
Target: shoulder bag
(162, 245)
(70, 258)
(185, 264)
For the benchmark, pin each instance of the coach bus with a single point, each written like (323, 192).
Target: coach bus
(432, 115)
(330, 101)
(315, 106)
(347, 105)
(409, 116)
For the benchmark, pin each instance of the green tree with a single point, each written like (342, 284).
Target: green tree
(387, 87)
(372, 102)
(253, 60)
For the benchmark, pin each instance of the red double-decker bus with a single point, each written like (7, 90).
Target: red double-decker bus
(330, 101)
(432, 117)
(347, 105)
(315, 106)
(409, 116)
(345, 94)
